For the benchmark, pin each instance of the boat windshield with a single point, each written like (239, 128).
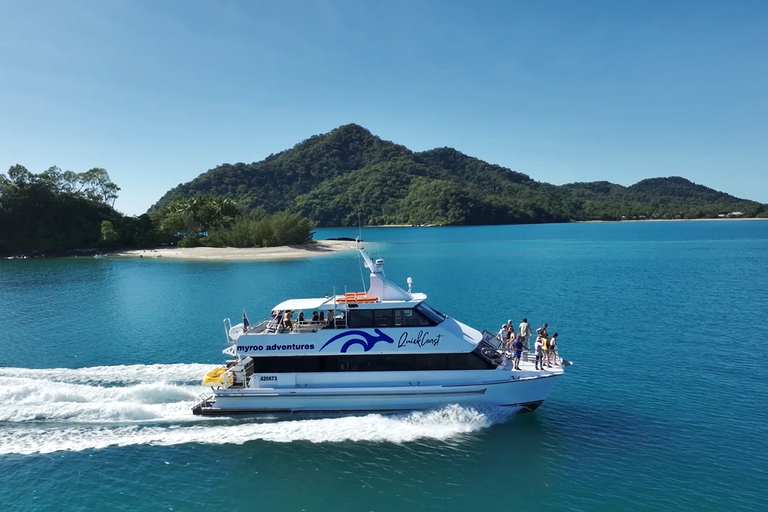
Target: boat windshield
(488, 353)
(432, 314)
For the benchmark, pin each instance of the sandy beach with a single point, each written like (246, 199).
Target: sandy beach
(719, 219)
(320, 248)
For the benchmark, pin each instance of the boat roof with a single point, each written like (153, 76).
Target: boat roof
(303, 304)
(328, 303)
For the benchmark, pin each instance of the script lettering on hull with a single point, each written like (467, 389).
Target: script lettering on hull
(421, 339)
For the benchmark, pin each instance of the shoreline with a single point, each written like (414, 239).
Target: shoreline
(285, 252)
(541, 223)
(311, 250)
(728, 219)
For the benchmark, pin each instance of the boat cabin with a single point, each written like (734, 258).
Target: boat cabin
(346, 315)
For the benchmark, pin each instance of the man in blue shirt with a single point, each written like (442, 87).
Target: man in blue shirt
(517, 346)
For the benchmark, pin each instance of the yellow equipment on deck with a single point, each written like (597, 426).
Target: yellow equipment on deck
(218, 377)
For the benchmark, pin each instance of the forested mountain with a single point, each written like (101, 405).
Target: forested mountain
(349, 175)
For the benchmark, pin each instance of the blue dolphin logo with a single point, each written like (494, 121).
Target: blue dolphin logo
(367, 341)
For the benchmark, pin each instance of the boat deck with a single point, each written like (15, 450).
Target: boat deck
(529, 364)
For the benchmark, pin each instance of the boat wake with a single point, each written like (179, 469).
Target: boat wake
(53, 410)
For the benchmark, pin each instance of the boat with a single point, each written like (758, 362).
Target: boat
(382, 350)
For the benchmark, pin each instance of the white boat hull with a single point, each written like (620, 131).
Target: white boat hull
(508, 389)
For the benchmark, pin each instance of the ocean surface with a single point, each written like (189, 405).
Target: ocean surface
(665, 408)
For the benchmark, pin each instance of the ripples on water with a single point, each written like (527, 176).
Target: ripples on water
(663, 409)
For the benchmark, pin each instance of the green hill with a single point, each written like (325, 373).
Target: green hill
(349, 175)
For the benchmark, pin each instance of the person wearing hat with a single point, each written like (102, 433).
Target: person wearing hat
(504, 336)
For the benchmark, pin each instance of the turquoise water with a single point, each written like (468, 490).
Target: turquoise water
(665, 407)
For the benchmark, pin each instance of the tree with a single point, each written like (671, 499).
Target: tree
(20, 177)
(96, 186)
(188, 218)
(108, 233)
(56, 211)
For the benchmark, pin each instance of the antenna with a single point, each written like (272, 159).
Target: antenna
(359, 226)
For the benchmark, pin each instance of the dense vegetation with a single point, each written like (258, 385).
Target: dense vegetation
(349, 176)
(61, 213)
(54, 211)
(259, 229)
(220, 222)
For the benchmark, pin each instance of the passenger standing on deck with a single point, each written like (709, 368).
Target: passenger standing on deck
(511, 329)
(510, 334)
(553, 349)
(517, 346)
(539, 364)
(542, 331)
(525, 332)
(287, 320)
(504, 336)
(544, 350)
(315, 318)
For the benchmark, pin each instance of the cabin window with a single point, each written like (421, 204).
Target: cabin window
(368, 318)
(414, 318)
(372, 363)
(361, 318)
(383, 318)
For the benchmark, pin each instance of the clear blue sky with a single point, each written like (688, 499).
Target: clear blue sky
(158, 92)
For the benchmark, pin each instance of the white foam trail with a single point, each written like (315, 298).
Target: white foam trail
(26, 400)
(115, 374)
(62, 410)
(99, 394)
(440, 424)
